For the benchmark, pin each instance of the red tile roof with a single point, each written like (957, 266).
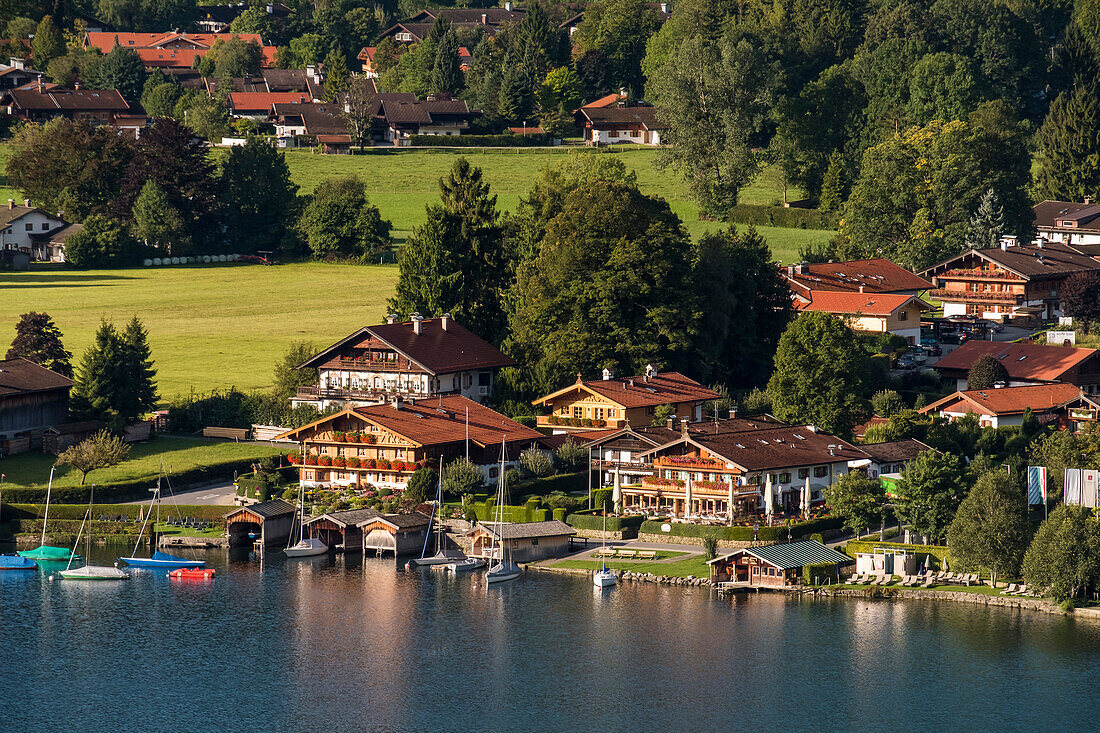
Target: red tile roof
(607, 101)
(20, 376)
(1033, 362)
(59, 99)
(262, 101)
(874, 276)
(661, 389)
(436, 350)
(1007, 400)
(106, 40)
(867, 304)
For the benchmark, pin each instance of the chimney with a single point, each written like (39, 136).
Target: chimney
(391, 318)
(733, 412)
(416, 319)
(445, 321)
(812, 428)
(396, 402)
(508, 5)
(670, 423)
(270, 9)
(607, 374)
(862, 288)
(76, 85)
(683, 426)
(1039, 243)
(27, 203)
(484, 19)
(1088, 200)
(790, 270)
(17, 63)
(664, 8)
(11, 203)
(631, 381)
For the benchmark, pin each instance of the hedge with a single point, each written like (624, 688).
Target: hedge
(601, 498)
(564, 482)
(133, 490)
(742, 533)
(130, 511)
(781, 216)
(939, 552)
(479, 141)
(614, 524)
(72, 527)
(812, 573)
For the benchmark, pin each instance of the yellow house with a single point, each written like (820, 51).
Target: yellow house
(612, 402)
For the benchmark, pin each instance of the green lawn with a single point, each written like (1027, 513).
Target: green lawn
(695, 565)
(208, 326)
(169, 531)
(402, 182)
(175, 455)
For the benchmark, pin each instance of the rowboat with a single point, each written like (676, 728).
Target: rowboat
(192, 574)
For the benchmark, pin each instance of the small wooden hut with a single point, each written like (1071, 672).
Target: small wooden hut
(269, 522)
(526, 541)
(340, 530)
(401, 534)
(777, 566)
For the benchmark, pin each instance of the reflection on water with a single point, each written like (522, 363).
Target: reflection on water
(347, 643)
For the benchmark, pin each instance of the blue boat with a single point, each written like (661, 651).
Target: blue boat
(161, 560)
(15, 562)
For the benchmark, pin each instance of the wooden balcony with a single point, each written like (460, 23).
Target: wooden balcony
(576, 425)
(976, 297)
(980, 275)
(366, 395)
(688, 464)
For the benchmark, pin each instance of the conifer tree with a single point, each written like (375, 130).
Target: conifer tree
(336, 74)
(47, 44)
(988, 223)
(100, 379)
(1069, 146)
(836, 183)
(446, 75)
(38, 339)
(141, 394)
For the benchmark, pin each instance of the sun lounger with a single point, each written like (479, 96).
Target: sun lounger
(647, 554)
(928, 581)
(854, 579)
(1022, 590)
(1010, 590)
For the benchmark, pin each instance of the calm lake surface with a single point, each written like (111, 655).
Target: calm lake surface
(342, 644)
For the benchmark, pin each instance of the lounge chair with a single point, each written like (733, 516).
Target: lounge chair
(928, 581)
(854, 579)
(1022, 590)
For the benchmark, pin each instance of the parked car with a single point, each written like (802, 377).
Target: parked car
(955, 337)
(928, 341)
(994, 326)
(905, 361)
(916, 354)
(933, 350)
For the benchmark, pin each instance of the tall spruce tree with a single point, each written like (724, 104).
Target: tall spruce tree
(47, 43)
(446, 74)
(140, 374)
(38, 339)
(455, 262)
(100, 379)
(988, 223)
(1069, 146)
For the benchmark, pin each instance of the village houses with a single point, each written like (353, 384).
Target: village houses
(1027, 363)
(1063, 406)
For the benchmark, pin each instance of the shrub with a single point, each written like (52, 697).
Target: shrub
(742, 533)
(570, 455)
(812, 574)
(781, 216)
(710, 547)
(535, 462)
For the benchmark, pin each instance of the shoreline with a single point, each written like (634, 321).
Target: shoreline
(887, 593)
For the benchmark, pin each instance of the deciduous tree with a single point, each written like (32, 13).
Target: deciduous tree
(931, 488)
(461, 477)
(156, 221)
(1080, 295)
(340, 221)
(121, 69)
(985, 373)
(990, 531)
(856, 499)
(38, 339)
(101, 243)
(288, 377)
(102, 450)
(1064, 558)
(254, 183)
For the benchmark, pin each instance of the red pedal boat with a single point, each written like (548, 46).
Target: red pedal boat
(192, 574)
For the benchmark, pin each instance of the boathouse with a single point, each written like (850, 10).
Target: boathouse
(268, 522)
(340, 530)
(526, 541)
(401, 534)
(776, 566)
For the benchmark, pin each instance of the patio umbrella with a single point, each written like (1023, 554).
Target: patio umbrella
(806, 499)
(768, 498)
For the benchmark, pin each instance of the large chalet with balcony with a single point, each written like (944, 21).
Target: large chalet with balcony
(613, 403)
(726, 469)
(1007, 282)
(382, 445)
(423, 357)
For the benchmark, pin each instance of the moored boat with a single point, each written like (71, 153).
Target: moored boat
(505, 569)
(44, 551)
(192, 574)
(15, 562)
(161, 560)
(604, 577)
(307, 548)
(465, 566)
(93, 572)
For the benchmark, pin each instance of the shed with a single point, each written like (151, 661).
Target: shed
(526, 541)
(776, 566)
(268, 522)
(340, 530)
(401, 534)
(59, 437)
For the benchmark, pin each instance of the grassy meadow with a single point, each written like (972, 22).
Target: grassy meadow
(213, 326)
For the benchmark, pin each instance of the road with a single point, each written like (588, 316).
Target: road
(220, 494)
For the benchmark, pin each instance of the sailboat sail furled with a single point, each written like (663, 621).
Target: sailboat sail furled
(440, 557)
(505, 569)
(305, 547)
(157, 559)
(90, 572)
(43, 551)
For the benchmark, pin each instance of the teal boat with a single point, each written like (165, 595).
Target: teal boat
(44, 551)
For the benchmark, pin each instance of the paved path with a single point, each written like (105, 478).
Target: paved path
(220, 494)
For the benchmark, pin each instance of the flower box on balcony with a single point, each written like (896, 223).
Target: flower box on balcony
(663, 483)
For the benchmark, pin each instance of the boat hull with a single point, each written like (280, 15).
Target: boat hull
(465, 566)
(45, 552)
(16, 562)
(93, 572)
(501, 573)
(167, 562)
(192, 574)
(604, 579)
(307, 548)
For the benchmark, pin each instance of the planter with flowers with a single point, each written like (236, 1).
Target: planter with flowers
(351, 462)
(324, 461)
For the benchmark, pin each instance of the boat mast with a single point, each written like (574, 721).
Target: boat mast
(46, 516)
(500, 505)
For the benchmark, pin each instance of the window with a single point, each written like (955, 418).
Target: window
(493, 472)
(821, 471)
(45, 226)
(650, 410)
(30, 227)
(611, 412)
(598, 413)
(484, 379)
(754, 480)
(803, 473)
(903, 315)
(784, 478)
(578, 412)
(534, 541)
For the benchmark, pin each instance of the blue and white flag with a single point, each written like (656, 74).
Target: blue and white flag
(1036, 484)
(1071, 491)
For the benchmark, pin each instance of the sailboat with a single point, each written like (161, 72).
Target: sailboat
(604, 577)
(90, 572)
(158, 559)
(43, 551)
(304, 547)
(440, 557)
(505, 569)
(15, 562)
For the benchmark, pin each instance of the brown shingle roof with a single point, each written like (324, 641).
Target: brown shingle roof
(318, 119)
(876, 275)
(661, 389)
(781, 447)
(19, 376)
(644, 116)
(525, 530)
(440, 420)
(1030, 261)
(893, 451)
(60, 99)
(1047, 214)
(1025, 361)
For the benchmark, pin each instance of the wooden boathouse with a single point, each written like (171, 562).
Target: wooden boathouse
(526, 541)
(775, 566)
(269, 523)
(401, 534)
(340, 530)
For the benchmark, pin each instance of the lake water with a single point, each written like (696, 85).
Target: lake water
(342, 644)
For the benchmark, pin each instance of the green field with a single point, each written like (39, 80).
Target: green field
(217, 326)
(402, 183)
(146, 461)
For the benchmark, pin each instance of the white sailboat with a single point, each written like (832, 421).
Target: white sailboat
(305, 547)
(440, 557)
(89, 572)
(505, 569)
(605, 577)
(465, 566)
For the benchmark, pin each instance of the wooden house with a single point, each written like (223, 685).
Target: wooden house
(870, 312)
(57, 438)
(525, 541)
(40, 102)
(269, 523)
(1026, 364)
(423, 357)
(620, 124)
(1017, 281)
(32, 399)
(996, 408)
(776, 566)
(382, 445)
(172, 49)
(614, 402)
